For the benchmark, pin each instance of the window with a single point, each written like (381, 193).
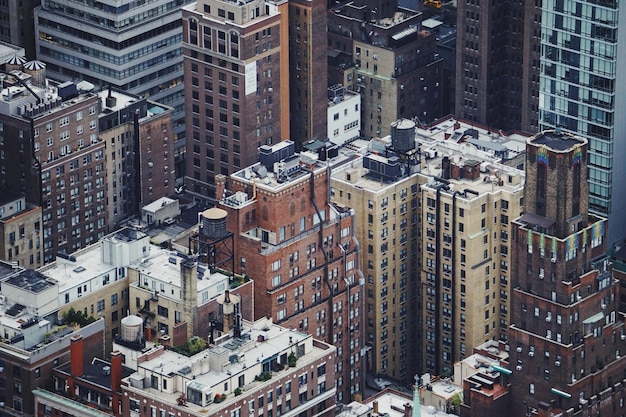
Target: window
(100, 305)
(113, 299)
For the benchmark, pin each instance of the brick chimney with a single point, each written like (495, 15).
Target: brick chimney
(116, 381)
(220, 186)
(76, 355)
(76, 361)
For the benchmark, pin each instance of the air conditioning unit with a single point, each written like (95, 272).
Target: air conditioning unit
(557, 363)
(623, 336)
(553, 260)
(519, 349)
(531, 354)
(518, 368)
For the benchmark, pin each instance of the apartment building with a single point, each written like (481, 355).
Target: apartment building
(135, 47)
(433, 211)
(95, 280)
(498, 62)
(385, 195)
(300, 251)
(566, 335)
(140, 152)
(32, 342)
(52, 153)
(383, 52)
(20, 231)
(235, 56)
(180, 298)
(266, 370)
(344, 114)
(307, 40)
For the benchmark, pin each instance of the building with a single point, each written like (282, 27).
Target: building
(237, 99)
(300, 251)
(54, 156)
(17, 27)
(485, 378)
(94, 280)
(268, 370)
(589, 102)
(307, 41)
(32, 343)
(383, 52)
(140, 158)
(80, 387)
(181, 298)
(20, 231)
(433, 207)
(385, 195)
(344, 115)
(160, 211)
(134, 47)
(497, 61)
(565, 335)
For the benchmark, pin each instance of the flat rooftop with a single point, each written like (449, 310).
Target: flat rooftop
(260, 342)
(30, 280)
(557, 140)
(88, 264)
(164, 266)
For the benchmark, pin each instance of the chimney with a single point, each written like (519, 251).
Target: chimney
(116, 381)
(76, 355)
(408, 410)
(375, 404)
(116, 370)
(220, 186)
(110, 100)
(148, 333)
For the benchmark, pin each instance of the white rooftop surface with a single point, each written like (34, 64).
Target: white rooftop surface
(156, 205)
(277, 341)
(64, 271)
(392, 402)
(159, 268)
(515, 142)
(446, 389)
(122, 99)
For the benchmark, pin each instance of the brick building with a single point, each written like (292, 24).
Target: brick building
(140, 152)
(300, 251)
(566, 336)
(52, 153)
(383, 52)
(235, 60)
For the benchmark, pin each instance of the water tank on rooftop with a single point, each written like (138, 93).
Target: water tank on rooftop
(15, 63)
(37, 70)
(132, 329)
(403, 135)
(213, 223)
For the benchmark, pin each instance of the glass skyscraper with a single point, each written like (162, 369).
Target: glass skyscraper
(582, 90)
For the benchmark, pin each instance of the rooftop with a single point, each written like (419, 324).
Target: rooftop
(262, 343)
(557, 140)
(30, 280)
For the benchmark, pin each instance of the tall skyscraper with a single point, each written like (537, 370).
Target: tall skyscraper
(566, 338)
(583, 91)
(133, 46)
(235, 59)
(497, 61)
